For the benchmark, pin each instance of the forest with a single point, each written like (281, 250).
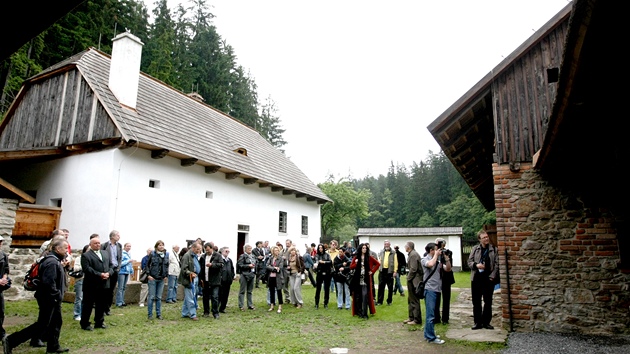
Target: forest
(183, 49)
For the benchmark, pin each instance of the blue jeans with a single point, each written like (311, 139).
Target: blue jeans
(155, 296)
(78, 297)
(122, 286)
(341, 293)
(398, 285)
(189, 307)
(430, 297)
(172, 288)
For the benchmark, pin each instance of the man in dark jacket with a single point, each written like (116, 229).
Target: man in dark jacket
(483, 263)
(402, 270)
(114, 250)
(49, 295)
(227, 277)
(259, 253)
(211, 264)
(96, 267)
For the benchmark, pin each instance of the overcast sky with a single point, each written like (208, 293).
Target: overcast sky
(358, 82)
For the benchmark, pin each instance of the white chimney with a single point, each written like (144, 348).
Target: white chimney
(124, 71)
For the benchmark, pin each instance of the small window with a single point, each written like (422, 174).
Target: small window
(552, 75)
(243, 228)
(241, 151)
(282, 222)
(56, 202)
(154, 183)
(209, 194)
(304, 225)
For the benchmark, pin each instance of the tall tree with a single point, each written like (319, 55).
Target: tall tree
(348, 205)
(270, 127)
(158, 53)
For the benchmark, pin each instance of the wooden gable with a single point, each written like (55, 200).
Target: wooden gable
(60, 110)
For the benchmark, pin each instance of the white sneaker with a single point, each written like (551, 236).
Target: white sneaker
(437, 341)
(78, 318)
(141, 305)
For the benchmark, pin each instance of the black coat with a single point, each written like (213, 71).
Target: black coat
(214, 272)
(227, 272)
(92, 268)
(53, 279)
(158, 266)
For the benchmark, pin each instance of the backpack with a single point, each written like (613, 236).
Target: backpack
(32, 278)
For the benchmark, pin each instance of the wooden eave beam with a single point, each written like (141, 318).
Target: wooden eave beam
(250, 180)
(311, 199)
(300, 195)
(276, 189)
(188, 162)
(17, 191)
(232, 175)
(26, 154)
(212, 169)
(158, 154)
(287, 192)
(264, 185)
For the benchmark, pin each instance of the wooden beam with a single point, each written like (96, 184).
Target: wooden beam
(25, 154)
(17, 191)
(287, 192)
(188, 162)
(311, 199)
(276, 189)
(128, 144)
(158, 154)
(300, 195)
(321, 201)
(263, 185)
(212, 169)
(250, 180)
(232, 175)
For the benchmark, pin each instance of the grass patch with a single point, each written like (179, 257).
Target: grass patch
(305, 330)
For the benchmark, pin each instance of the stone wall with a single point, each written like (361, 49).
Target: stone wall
(8, 209)
(563, 258)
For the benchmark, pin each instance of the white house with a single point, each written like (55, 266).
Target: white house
(420, 236)
(118, 149)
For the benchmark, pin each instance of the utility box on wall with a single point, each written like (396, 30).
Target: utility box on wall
(33, 225)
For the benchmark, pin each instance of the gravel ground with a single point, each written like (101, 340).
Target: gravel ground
(546, 343)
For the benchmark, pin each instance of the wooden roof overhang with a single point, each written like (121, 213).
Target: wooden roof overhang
(35, 17)
(466, 130)
(584, 147)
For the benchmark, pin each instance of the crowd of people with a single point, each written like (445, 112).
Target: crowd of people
(207, 272)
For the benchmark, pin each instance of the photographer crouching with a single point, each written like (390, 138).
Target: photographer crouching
(448, 279)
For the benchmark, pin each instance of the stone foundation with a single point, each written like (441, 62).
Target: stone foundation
(563, 258)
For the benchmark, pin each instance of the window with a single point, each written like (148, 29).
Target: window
(56, 202)
(154, 184)
(209, 194)
(282, 221)
(304, 225)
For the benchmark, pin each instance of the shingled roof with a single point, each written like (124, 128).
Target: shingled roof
(170, 121)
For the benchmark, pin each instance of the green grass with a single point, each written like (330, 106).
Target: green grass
(305, 330)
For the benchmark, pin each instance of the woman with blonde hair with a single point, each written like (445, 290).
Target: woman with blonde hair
(276, 268)
(295, 271)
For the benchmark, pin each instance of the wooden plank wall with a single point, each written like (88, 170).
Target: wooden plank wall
(523, 99)
(33, 225)
(54, 112)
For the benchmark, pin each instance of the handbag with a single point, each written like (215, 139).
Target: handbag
(76, 273)
(420, 288)
(349, 276)
(144, 276)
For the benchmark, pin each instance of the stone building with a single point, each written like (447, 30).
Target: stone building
(539, 140)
